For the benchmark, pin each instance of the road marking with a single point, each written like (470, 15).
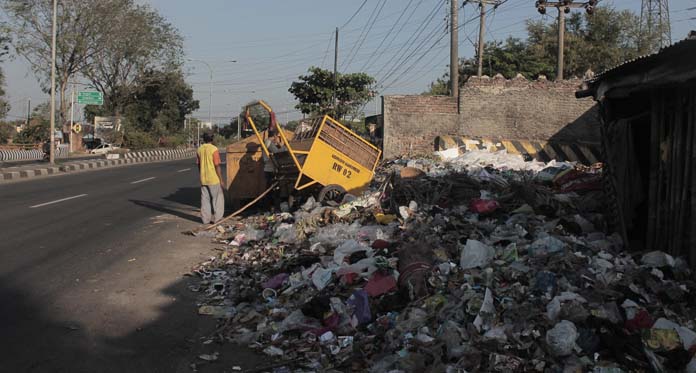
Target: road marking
(184, 170)
(56, 201)
(140, 181)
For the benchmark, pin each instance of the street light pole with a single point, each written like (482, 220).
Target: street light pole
(72, 116)
(210, 96)
(52, 155)
(210, 99)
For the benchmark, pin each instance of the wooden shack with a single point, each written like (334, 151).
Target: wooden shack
(648, 112)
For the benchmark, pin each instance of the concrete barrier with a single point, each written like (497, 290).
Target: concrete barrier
(161, 155)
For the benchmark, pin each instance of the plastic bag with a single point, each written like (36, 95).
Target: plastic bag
(346, 249)
(476, 254)
(546, 245)
(486, 313)
(285, 233)
(360, 303)
(657, 259)
(561, 338)
(333, 235)
(321, 277)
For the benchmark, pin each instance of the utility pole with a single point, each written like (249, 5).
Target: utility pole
(563, 7)
(239, 126)
(482, 28)
(28, 112)
(654, 24)
(52, 155)
(454, 50)
(335, 87)
(72, 117)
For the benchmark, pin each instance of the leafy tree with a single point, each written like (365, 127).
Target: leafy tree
(7, 131)
(38, 129)
(82, 30)
(4, 50)
(597, 42)
(158, 103)
(314, 91)
(144, 40)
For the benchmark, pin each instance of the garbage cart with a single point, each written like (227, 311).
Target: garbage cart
(322, 156)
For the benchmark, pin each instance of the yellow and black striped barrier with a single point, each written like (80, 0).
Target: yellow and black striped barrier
(544, 151)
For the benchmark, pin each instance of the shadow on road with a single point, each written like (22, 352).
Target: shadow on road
(167, 210)
(186, 196)
(34, 341)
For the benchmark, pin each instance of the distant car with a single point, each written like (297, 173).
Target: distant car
(103, 149)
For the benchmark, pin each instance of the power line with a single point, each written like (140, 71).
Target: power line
(369, 62)
(425, 40)
(412, 39)
(371, 21)
(328, 47)
(436, 42)
(354, 14)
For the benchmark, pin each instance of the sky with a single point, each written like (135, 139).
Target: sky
(275, 41)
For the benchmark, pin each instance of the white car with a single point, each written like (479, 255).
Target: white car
(103, 149)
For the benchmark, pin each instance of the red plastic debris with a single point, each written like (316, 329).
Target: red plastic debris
(484, 206)
(642, 320)
(380, 284)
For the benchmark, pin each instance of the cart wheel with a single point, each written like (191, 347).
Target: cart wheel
(333, 193)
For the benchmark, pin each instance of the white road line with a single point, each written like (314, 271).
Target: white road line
(140, 181)
(184, 170)
(56, 201)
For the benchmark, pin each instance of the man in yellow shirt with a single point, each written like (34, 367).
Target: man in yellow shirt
(212, 195)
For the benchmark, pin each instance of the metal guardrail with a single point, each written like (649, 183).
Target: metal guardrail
(30, 155)
(63, 152)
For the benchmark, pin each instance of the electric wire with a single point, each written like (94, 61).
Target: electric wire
(411, 40)
(369, 61)
(367, 32)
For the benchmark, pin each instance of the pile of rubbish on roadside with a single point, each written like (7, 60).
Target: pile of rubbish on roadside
(479, 262)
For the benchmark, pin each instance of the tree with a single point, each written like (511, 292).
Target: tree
(38, 129)
(158, 103)
(4, 50)
(144, 40)
(597, 42)
(82, 30)
(314, 91)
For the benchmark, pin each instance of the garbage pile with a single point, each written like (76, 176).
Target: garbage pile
(481, 262)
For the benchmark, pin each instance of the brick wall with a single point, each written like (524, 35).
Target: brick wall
(492, 108)
(412, 122)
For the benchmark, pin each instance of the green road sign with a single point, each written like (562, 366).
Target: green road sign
(90, 98)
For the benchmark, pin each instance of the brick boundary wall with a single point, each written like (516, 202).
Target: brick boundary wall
(411, 123)
(494, 108)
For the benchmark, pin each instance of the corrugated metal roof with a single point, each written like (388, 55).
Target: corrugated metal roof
(646, 59)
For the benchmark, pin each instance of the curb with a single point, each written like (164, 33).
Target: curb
(145, 157)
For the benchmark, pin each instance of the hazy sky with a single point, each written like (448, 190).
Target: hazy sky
(274, 41)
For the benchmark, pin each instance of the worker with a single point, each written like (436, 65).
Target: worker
(212, 194)
(274, 145)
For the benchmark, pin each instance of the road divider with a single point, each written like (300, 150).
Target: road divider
(57, 201)
(24, 172)
(184, 170)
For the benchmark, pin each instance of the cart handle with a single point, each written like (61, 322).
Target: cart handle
(264, 105)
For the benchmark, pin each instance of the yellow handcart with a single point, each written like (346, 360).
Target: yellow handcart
(323, 156)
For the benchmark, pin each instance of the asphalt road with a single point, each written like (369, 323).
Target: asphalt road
(91, 269)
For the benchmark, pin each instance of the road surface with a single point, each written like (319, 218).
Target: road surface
(91, 272)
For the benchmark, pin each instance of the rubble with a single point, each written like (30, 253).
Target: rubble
(482, 262)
